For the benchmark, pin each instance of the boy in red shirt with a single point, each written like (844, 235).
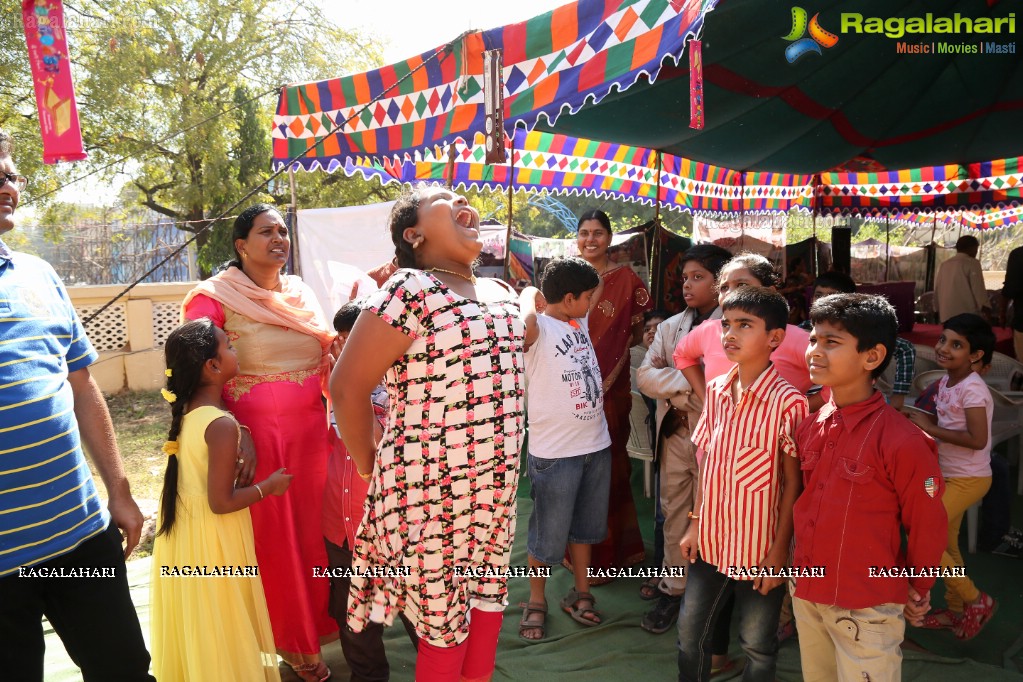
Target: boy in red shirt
(867, 472)
(343, 499)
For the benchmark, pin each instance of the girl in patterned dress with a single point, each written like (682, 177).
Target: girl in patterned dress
(440, 512)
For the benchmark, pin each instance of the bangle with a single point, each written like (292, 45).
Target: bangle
(694, 516)
(259, 490)
(363, 476)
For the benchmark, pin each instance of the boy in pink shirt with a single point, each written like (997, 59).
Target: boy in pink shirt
(704, 342)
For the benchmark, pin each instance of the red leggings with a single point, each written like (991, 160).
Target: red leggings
(470, 661)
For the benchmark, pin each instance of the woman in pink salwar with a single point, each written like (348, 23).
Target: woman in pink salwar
(283, 343)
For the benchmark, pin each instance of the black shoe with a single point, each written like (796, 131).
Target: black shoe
(664, 614)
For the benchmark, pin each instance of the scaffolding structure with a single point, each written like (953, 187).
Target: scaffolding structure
(117, 252)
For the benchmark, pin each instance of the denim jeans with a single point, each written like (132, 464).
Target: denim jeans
(570, 500)
(658, 521)
(706, 593)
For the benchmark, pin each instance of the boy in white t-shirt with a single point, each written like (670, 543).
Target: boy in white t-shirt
(569, 455)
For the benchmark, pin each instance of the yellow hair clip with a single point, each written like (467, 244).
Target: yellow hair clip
(170, 448)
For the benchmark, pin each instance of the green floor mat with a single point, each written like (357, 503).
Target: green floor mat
(620, 650)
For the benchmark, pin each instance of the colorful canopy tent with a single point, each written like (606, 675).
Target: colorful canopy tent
(583, 51)
(562, 164)
(557, 60)
(568, 165)
(604, 69)
(599, 68)
(987, 219)
(977, 187)
(859, 105)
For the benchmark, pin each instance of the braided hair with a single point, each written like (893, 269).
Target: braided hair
(405, 214)
(187, 350)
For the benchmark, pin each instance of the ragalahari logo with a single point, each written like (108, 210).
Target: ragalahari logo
(802, 46)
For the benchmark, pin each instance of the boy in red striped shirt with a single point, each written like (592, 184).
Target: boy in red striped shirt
(749, 480)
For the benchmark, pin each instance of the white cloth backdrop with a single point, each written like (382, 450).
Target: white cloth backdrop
(337, 246)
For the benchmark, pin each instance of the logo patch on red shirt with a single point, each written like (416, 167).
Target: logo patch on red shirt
(930, 487)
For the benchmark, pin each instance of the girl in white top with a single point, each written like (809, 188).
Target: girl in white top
(963, 432)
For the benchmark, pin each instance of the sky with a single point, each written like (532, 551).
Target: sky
(411, 27)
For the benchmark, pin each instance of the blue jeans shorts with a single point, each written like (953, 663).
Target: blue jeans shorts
(570, 500)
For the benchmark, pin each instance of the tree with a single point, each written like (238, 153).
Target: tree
(152, 69)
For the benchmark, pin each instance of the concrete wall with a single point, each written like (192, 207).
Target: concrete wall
(130, 334)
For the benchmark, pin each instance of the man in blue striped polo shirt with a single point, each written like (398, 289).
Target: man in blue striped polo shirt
(60, 548)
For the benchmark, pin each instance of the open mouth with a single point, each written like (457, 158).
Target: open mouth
(468, 219)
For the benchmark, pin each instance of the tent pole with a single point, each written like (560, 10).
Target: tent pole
(508, 232)
(742, 209)
(814, 264)
(657, 282)
(655, 251)
(657, 205)
(887, 245)
(449, 172)
(293, 227)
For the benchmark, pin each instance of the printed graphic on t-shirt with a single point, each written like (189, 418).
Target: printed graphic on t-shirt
(583, 381)
(39, 303)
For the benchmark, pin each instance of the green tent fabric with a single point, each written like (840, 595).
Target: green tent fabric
(859, 105)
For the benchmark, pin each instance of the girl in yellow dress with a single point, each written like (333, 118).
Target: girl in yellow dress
(209, 617)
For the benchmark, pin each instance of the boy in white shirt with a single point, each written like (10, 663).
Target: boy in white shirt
(569, 456)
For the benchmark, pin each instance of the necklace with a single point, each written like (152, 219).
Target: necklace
(468, 278)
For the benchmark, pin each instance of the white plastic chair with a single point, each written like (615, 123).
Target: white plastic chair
(639, 441)
(926, 359)
(1004, 372)
(925, 308)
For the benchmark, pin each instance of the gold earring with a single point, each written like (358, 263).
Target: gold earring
(418, 242)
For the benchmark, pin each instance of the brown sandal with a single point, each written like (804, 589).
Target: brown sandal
(313, 672)
(528, 609)
(650, 589)
(570, 605)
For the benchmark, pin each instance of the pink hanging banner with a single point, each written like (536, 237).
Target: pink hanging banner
(696, 84)
(51, 73)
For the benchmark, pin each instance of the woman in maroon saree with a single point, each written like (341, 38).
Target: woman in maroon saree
(616, 324)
